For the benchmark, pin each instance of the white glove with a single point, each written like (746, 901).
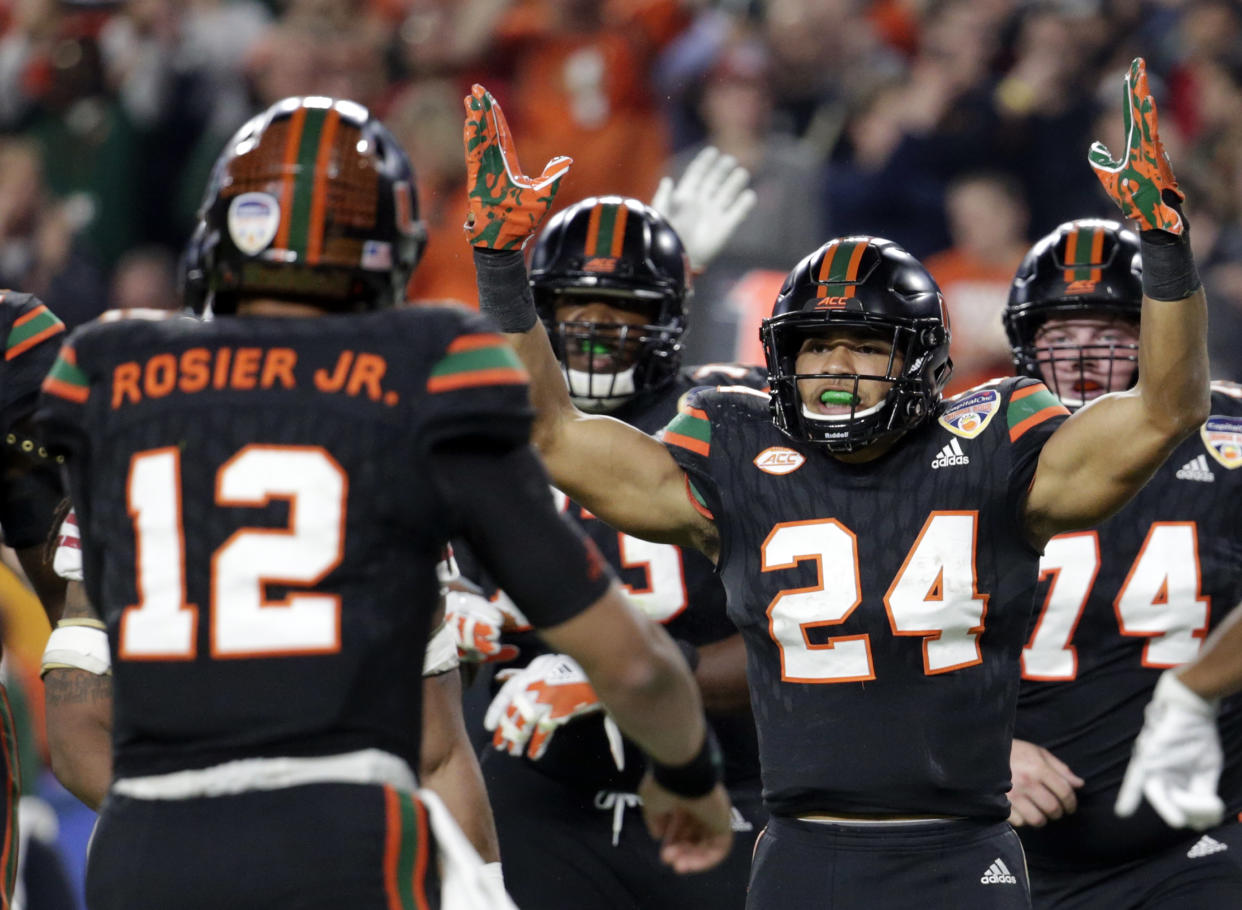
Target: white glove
(537, 701)
(707, 204)
(477, 624)
(1177, 759)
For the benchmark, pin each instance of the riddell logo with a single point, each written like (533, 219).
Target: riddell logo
(779, 460)
(1081, 286)
(831, 303)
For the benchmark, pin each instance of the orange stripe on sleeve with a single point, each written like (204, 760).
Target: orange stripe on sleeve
(851, 270)
(474, 342)
(33, 314)
(420, 862)
(75, 393)
(698, 506)
(1028, 390)
(695, 412)
(30, 342)
(1018, 429)
(477, 379)
(697, 446)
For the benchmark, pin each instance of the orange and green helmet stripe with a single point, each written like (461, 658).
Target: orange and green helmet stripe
(303, 194)
(477, 360)
(66, 379)
(1030, 406)
(1084, 253)
(29, 329)
(406, 851)
(838, 270)
(690, 429)
(606, 230)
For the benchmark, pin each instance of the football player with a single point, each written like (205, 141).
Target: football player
(1117, 606)
(610, 278)
(263, 499)
(30, 490)
(869, 536)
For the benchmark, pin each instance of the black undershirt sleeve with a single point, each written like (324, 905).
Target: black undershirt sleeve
(500, 503)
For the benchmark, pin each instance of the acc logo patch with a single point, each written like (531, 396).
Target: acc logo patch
(253, 220)
(779, 460)
(970, 415)
(1223, 438)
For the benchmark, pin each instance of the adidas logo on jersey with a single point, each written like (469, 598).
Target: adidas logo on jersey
(1196, 469)
(998, 874)
(950, 455)
(1206, 846)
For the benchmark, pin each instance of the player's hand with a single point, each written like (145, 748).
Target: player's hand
(506, 206)
(537, 701)
(694, 834)
(1141, 182)
(707, 204)
(1177, 759)
(1043, 785)
(477, 624)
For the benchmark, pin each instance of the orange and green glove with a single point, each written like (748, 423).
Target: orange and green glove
(506, 206)
(1142, 183)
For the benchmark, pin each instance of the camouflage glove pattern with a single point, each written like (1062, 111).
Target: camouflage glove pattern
(506, 206)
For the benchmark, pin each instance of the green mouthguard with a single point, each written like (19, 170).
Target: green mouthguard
(595, 347)
(831, 396)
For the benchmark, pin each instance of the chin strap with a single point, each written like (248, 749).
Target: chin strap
(31, 447)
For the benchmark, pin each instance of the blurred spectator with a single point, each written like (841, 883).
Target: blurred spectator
(40, 250)
(145, 279)
(987, 220)
(735, 105)
(426, 119)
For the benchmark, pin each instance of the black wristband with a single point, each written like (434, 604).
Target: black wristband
(504, 289)
(1169, 271)
(689, 652)
(698, 776)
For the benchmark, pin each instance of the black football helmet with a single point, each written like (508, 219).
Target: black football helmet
(868, 284)
(1087, 267)
(624, 253)
(312, 201)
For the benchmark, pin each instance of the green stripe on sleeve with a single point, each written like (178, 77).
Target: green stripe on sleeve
(499, 357)
(31, 327)
(694, 427)
(67, 372)
(1023, 408)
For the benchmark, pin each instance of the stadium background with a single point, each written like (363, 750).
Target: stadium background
(958, 128)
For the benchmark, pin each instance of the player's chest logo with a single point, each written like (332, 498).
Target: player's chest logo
(779, 460)
(970, 415)
(1223, 438)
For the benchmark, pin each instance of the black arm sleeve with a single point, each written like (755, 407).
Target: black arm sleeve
(500, 503)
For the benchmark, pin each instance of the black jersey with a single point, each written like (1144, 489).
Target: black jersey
(259, 523)
(875, 598)
(675, 587)
(1115, 607)
(31, 336)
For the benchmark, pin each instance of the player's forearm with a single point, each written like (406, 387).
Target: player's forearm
(78, 712)
(1173, 364)
(650, 693)
(1217, 671)
(459, 784)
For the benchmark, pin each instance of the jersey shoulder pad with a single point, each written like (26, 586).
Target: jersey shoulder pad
(1027, 404)
(25, 321)
(1224, 392)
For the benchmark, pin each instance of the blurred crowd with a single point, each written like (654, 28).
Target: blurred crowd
(958, 128)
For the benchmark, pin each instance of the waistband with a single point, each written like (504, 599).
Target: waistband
(365, 766)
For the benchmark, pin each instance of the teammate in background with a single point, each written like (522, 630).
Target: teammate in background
(29, 492)
(610, 280)
(846, 517)
(260, 533)
(1118, 604)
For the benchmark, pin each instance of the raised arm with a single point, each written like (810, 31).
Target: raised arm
(1103, 455)
(621, 474)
